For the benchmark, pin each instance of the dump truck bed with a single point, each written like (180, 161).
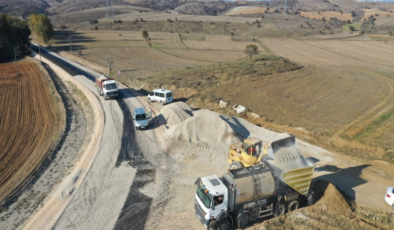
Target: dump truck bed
(287, 163)
(299, 179)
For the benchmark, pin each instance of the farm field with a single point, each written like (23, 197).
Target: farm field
(29, 122)
(346, 99)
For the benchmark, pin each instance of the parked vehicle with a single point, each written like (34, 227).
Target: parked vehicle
(390, 196)
(141, 119)
(106, 87)
(160, 95)
(246, 194)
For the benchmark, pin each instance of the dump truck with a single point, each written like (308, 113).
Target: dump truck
(280, 183)
(106, 87)
(251, 150)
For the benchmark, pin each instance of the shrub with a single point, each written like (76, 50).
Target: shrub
(145, 34)
(354, 13)
(352, 28)
(95, 28)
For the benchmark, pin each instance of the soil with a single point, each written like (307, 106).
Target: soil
(58, 162)
(32, 124)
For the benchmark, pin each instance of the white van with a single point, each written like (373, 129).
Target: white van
(141, 120)
(160, 95)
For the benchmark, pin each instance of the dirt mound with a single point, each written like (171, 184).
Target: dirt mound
(176, 113)
(329, 200)
(205, 126)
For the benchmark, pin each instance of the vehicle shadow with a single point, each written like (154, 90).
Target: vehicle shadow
(243, 132)
(124, 93)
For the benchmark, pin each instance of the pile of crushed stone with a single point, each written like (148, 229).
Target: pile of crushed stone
(204, 126)
(176, 113)
(289, 158)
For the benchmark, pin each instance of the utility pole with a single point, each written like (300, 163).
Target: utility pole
(285, 11)
(16, 63)
(70, 42)
(109, 8)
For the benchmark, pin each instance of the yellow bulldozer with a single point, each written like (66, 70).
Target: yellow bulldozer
(251, 150)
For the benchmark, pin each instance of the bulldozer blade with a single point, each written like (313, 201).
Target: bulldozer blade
(285, 142)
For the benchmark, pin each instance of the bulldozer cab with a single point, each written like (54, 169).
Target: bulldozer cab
(252, 147)
(246, 153)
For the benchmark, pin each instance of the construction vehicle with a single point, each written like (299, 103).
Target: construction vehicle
(106, 87)
(250, 151)
(280, 183)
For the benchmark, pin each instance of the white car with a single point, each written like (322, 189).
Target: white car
(141, 119)
(390, 196)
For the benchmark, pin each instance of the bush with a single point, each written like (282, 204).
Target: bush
(353, 13)
(95, 28)
(352, 28)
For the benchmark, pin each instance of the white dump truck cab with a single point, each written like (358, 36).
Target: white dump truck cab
(110, 89)
(211, 199)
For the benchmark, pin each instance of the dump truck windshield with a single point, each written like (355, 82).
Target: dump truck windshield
(140, 117)
(111, 86)
(205, 197)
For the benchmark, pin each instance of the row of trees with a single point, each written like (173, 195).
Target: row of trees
(14, 33)
(14, 36)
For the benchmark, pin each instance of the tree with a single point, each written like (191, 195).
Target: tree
(145, 34)
(251, 50)
(353, 13)
(352, 28)
(110, 62)
(41, 26)
(14, 33)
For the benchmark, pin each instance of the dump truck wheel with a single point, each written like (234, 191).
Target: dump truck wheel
(243, 220)
(236, 165)
(279, 210)
(162, 102)
(212, 225)
(293, 205)
(224, 225)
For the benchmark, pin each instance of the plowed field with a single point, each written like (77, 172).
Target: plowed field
(29, 124)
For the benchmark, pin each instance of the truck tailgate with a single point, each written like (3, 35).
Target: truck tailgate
(299, 179)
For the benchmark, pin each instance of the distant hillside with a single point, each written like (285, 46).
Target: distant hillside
(23, 7)
(54, 7)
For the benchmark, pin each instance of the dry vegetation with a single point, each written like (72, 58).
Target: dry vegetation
(30, 124)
